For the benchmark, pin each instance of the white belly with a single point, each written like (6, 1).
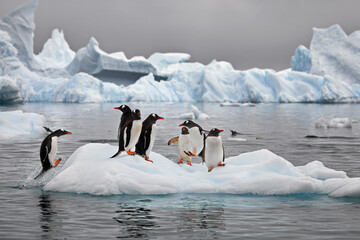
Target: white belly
(213, 151)
(197, 140)
(53, 151)
(135, 134)
(152, 140)
(184, 144)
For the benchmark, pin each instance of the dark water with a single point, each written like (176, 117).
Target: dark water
(35, 214)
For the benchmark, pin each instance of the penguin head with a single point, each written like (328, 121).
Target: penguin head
(214, 132)
(154, 117)
(188, 123)
(123, 108)
(137, 114)
(184, 130)
(60, 132)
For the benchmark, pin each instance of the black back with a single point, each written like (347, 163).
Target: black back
(45, 148)
(127, 127)
(145, 136)
(126, 115)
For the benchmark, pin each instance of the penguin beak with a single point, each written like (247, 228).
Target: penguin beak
(117, 108)
(220, 130)
(181, 125)
(68, 132)
(160, 118)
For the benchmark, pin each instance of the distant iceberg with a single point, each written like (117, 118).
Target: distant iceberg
(91, 170)
(327, 73)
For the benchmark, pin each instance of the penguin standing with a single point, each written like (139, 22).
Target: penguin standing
(48, 150)
(147, 136)
(214, 154)
(197, 136)
(126, 115)
(184, 146)
(130, 133)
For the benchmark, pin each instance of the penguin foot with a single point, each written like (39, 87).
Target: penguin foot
(210, 169)
(57, 162)
(147, 159)
(130, 152)
(189, 163)
(180, 161)
(221, 164)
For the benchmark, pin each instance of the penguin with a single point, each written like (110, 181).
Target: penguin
(214, 154)
(126, 115)
(130, 133)
(197, 136)
(184, 146)
(48, 150)
(147, 136)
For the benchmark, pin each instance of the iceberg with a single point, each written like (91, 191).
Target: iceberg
(20, 125)
(328, 72)
(91, 170)
(334, 123)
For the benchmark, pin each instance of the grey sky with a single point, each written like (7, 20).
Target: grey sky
(246, 33)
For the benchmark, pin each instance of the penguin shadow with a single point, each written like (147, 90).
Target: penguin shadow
(134, 221)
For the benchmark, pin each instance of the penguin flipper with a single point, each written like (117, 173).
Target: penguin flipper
(223, 153)
(147, 139)
(128, 134)
(173, 140)
(47, 129)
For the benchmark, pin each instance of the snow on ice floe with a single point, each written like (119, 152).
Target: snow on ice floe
(91, 170)
(334, 123)
(20, 125)
(328, 72)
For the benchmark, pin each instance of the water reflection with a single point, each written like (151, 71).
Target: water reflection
(135, 222)
(46, 212)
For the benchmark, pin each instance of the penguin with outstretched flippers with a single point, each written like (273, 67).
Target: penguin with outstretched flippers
(147, 136)
(48, 150)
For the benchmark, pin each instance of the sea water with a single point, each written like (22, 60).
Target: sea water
(31, 213)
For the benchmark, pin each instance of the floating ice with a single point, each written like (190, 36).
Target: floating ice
(20, 125)
(194, 114)
(334, 123)
(91, 170)
(232, 104)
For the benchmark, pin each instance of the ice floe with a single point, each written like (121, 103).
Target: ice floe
(91, 170)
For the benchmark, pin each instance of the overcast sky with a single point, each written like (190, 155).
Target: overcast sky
(246, 33)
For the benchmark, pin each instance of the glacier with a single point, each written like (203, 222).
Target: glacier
(328, 72)
(91, 170)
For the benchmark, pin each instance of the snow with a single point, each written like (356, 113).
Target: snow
(327, 73)
(20, 125)
(91, 170)
(334, 123)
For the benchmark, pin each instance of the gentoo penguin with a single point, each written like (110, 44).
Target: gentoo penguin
(214, 154)
(130, 133)
(126, 115)
(184, 146)
(197, 136)
(147, 136)
(48, 150)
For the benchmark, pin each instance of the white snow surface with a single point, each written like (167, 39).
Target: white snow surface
(91, 170)
(19, 125)
(328, 72)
